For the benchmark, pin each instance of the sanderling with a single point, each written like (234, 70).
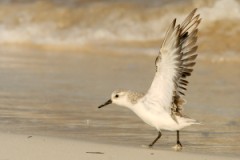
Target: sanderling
(162, 106)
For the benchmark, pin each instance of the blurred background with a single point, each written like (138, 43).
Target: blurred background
(81, 24)
(60, 59)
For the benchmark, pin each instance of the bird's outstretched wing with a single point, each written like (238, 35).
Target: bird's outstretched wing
(174, 64)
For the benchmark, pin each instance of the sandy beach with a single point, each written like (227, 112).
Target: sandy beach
(59, 60)
(43, 94)
(24, 147)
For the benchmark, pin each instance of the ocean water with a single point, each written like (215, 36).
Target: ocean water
(59, 60)
(135, 26)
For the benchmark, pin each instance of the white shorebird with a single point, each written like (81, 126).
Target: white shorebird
(162, 106)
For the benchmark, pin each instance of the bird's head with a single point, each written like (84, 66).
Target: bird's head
(118, 97)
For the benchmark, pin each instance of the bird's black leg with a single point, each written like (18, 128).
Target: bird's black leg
(178, 141)
(178, 146)
(155, 140)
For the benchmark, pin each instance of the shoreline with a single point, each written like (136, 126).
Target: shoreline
(117, 50)
(21, 147)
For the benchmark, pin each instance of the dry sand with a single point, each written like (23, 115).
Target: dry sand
(24, 147)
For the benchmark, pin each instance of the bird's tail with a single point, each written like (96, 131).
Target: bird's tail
(185, 122)
(192, 121)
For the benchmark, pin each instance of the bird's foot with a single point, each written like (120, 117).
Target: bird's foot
(146, 146)
(150, 146)
(178, 146)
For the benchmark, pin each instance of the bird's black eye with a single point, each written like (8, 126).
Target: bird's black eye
(116, 96)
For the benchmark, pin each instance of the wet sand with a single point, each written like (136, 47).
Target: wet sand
(57, 94)
(22, 147)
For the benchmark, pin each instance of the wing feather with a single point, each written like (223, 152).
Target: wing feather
(174, 64)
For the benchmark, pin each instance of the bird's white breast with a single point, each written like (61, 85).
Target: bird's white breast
(156, 117)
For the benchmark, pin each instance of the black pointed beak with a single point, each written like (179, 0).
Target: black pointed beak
(107, 103)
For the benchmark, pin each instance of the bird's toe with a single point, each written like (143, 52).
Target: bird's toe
(178, 147)
(146, 146)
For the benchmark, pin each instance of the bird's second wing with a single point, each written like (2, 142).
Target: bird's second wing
(174, 63)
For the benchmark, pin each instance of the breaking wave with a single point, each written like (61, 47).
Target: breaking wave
(126, 26)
